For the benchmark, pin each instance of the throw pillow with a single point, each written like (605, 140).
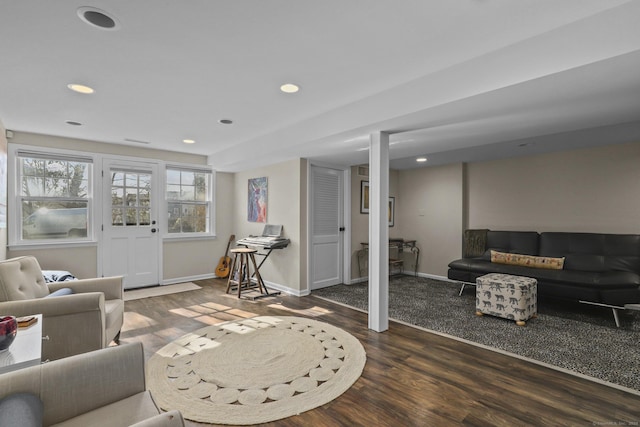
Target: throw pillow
(21, 409)
(60, 292)
(527, 260)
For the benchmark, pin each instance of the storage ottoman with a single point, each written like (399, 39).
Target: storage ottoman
(507, 296)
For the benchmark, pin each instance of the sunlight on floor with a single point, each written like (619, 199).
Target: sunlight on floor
(311, 312)
(133, 320)
(211, 313)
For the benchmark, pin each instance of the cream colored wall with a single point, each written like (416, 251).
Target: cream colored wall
(589, 190)
(285, 196)
(182, 260)
(194, 258)
(80, 261)
(360, 222)
(430, 211)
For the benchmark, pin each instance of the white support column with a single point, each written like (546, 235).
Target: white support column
(379, 232)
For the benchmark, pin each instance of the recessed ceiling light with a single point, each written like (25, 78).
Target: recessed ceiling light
(98, 18)
(289, 88)
(80, 88)
(73, 123)
(421, 159)
(225, 121)
(188, 141)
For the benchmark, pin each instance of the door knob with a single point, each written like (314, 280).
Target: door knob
(153, 230)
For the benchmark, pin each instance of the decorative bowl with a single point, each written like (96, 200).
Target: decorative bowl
(8, 330)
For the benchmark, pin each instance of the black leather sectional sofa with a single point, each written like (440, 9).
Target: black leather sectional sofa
(599, 268)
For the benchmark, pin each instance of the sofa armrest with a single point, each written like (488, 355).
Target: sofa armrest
(58, 306)
(111, 287)
(85, 382)
(72, 324)
(166, 419)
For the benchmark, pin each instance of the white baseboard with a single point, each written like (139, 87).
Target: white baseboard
(286, 289)
(188, 279)
(425, 275)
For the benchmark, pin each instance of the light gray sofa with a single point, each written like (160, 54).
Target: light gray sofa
(88, 319)
(100, 388)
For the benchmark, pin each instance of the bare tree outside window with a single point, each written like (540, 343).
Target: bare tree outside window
(188, 201)
(54, 198)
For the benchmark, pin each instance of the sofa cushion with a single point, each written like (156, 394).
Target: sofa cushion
(21, 409)
(593, 251)
(21, 279)
(601, 280)
(527, 260)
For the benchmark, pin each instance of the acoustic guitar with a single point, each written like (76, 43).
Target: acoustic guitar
(222, 270)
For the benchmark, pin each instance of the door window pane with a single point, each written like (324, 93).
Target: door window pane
(132, 192)
(117, 217)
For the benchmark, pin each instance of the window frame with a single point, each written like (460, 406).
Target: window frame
(210, 202)
(15, 197)
(95, 204)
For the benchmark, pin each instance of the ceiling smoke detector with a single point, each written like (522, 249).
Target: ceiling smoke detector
(98, 18)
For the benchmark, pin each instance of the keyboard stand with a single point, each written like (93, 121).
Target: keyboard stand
(264, 258)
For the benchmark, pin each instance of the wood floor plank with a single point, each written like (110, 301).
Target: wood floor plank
(412, 377)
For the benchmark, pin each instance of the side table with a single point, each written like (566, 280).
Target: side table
(26, 349)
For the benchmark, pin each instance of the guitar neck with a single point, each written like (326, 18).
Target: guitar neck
(231, 239)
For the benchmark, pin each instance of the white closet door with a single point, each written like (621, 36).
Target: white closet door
(326, 235)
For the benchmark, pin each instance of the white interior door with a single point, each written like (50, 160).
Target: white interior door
(130, 222)
(326, 227)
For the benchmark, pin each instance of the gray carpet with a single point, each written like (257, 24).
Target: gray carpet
(575, 337)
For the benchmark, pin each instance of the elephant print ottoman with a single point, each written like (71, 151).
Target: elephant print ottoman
(507, 296)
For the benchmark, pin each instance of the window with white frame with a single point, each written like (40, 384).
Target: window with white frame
(53, 196)
(189, 199)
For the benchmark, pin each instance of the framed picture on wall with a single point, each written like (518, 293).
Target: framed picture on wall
(364, 197)
(257, 201)
(392, 211)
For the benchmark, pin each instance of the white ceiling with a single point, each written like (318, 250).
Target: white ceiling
(455, 80)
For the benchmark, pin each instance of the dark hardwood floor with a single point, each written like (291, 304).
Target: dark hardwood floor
(412, 377)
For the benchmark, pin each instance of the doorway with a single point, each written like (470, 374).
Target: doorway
(131, 238)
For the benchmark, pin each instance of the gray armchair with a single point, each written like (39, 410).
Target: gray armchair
(87, 319)
(100, 388)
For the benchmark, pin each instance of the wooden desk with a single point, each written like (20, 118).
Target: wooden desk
(399, 246)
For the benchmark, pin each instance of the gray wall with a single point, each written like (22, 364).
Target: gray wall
(589, 190)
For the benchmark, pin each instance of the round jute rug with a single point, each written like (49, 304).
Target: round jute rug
(255, 370)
